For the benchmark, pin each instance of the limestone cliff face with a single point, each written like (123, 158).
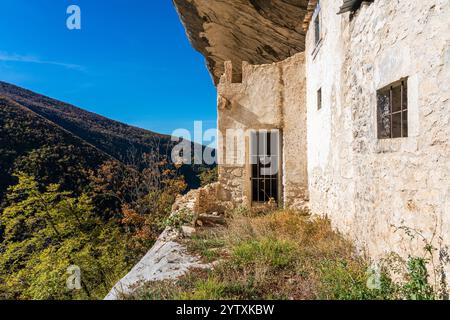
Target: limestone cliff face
(257, 31)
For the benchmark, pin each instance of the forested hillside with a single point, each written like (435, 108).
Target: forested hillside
(78, 189)
(110, 138)
(33, 144)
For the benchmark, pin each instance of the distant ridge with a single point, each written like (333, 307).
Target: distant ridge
(110, 136)
(54, 139)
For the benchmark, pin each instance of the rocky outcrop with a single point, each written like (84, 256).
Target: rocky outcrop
(257, 31)
(169, 257)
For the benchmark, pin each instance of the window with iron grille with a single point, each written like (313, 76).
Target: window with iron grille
(264, 160)
(392, 105)
(319, 99)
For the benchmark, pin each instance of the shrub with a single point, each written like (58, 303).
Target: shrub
(179, 219)
(208, 176)
(417, 286)
(47, 231)
(348, 280)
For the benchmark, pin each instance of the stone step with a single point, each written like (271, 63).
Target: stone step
(210, 219)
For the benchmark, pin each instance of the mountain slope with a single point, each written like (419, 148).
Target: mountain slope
(57, 141)
(112, 137)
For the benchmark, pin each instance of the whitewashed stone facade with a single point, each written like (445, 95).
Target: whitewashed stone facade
(367, 186)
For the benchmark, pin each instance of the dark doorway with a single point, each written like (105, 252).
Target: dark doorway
(264, 160)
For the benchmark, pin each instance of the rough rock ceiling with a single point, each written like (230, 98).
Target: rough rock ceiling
(257, 31)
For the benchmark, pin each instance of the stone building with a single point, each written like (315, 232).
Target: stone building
(344, 103)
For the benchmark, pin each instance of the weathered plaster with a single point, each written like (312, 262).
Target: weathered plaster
(271, 96)
(369, 187)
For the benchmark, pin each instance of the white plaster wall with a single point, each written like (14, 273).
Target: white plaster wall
(294, 114)
(329, 155)
(369, 187)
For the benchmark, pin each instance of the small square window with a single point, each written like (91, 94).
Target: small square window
(319, 99)
(392, 110)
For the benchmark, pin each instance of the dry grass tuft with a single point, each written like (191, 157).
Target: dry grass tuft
(281, 255)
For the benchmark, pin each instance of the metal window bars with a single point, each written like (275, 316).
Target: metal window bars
(393, 111)
(264, 161)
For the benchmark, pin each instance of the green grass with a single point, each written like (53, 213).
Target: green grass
(283, 255)
(208, 247)
(273, 252)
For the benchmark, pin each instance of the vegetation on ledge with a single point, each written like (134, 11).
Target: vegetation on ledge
(285, 255)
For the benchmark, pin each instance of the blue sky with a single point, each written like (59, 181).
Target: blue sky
(131, 61)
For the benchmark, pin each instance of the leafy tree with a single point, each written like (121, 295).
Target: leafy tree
(144, 196)
(45, 233)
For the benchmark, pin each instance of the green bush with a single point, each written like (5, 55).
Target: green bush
(348, 280)
(208, 176)
(47, 231)
(417, 286)
(178, 220)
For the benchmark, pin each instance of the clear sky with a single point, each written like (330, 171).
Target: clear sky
(131, 61)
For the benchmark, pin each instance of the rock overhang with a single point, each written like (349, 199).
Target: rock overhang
(256, 31)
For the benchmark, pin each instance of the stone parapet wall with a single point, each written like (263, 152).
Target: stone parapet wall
(206, 200)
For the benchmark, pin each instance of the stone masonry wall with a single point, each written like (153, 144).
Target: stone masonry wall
(270, 96)
(370, 187)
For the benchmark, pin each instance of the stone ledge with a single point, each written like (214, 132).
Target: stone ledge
(167, 259)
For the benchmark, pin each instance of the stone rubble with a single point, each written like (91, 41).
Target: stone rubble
(169, 258)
